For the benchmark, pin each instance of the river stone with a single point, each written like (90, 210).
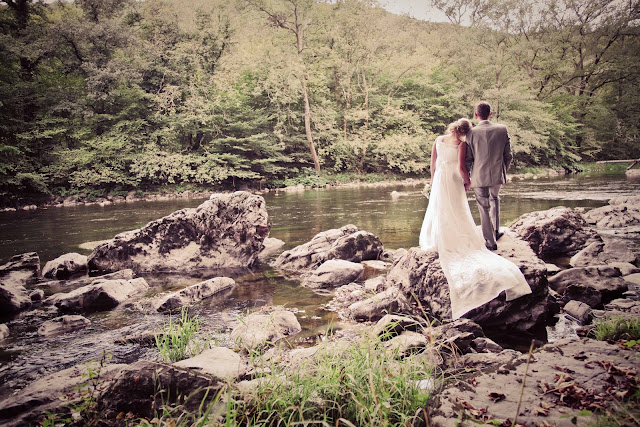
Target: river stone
(420, 276)
(625, 268)
(579, 310)
(377, 306)
(4, 331)
(346, 243)
(561, 378)
(36, 295)
(194, 293)
(598, 253)
(101, 295)
(407, 343)
(333, 273)
(391, 325)
(557, 231)
(624, 305)
(46, 394)
(220, 362)
(633, 279)
(271, 246)
(65, 266)
(486, 345)
(13, 297)
(594, 285)
(258, 330)
(621, 212)
(29, 262)
(226, 231)
(63, 324)
(144, 386)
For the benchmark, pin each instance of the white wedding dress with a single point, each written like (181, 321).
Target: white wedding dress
(475, 274)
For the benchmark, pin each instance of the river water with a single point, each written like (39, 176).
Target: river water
(296, 217)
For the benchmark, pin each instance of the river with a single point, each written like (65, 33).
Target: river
(296, 217)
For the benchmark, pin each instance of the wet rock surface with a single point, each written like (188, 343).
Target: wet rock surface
(609, 252)
(389, 301)
(101, 295)
(620, 213)
(334, 273)
(594, 285)
(258, 330)
(194, 293)
(65, 266)
(346, 243)
(63, 324)
(14, 275)
(226, 231)
(557, 231)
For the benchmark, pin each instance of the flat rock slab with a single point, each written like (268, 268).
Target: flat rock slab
(594, 286)
(347, 243)
(620, 213)
(598, 253)
(557, 231)
(258, 330)
(333, 273)
(65, 266)
(563, 378)
(389, 301)
(219, 362)
(63, 324)
(194, 293)
(624, 305)
(29, 261)
(100, 296)
(226, 231)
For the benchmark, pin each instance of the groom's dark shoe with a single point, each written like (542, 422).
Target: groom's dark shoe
(491, 248)
(499, 234)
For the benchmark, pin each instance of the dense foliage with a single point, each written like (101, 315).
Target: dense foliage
(111, 95)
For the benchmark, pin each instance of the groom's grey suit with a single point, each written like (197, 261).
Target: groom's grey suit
(488, 160)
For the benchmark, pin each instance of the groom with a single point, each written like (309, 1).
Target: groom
(488, 160)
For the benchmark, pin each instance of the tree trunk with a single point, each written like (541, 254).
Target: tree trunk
(365, 142)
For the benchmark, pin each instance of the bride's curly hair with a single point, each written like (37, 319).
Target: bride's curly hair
(460, 127)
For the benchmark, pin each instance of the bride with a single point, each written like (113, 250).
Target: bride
(475, 274)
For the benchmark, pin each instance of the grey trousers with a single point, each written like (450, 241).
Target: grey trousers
(488, 200)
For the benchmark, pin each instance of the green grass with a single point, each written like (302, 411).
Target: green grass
(311, 179)
(616, 329)
(179, 339)
(603, 167)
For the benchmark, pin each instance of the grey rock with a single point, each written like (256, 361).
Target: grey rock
(62, 325)
(271, 246)
(194, 293)
(376, 284)
(36, 295)
(391, 325)
(4, 331)
(579, 311)
(625, 268)
(377, 306)
(101, 295)
(44, 394)
(220, 362)
(486, 345)
(619, 213)
(65, 266)
(581, 363)
(594, 285)
(226, 231)
(557, 231)
(258, 330)
(14, 275)
(458, 335)
(598, 253)
(407, 343)
(624, 305)
(633, 279)
(29, 261)
(552, 269)
(136, 390)
(346, 243)
(334, 273)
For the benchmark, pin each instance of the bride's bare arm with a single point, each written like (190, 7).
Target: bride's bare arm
(434, 157)
(464, 173)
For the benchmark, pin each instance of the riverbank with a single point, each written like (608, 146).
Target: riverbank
(301, 183)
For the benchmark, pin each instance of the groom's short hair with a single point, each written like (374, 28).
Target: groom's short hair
(483, 110)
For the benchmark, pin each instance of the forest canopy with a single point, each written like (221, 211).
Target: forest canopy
(105, 96)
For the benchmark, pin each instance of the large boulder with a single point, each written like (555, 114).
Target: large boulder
(419, 275)
(557, 231)
(346, 243)
(65, 266)
(14, 275)
(390, 301)
(594, 286)
(334, 273)
(620, 213)
(143, 387)
(194, 293)
(598, 253)
(226, 231)
(100, 296)
(63, 324)
(257, 330)
(219, 362)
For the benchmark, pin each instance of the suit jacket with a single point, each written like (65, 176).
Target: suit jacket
(488, 154)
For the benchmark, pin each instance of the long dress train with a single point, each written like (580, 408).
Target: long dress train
(475, 274)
